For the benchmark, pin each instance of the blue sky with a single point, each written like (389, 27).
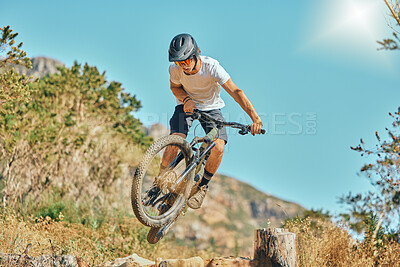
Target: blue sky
(311, 69)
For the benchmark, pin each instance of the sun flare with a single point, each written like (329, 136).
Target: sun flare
(344, 22)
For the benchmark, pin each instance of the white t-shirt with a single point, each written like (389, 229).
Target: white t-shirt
(204, 86)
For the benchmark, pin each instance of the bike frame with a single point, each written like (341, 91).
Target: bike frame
(200, 155)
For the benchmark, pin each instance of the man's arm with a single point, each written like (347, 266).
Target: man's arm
(181, 94)
(241, 98)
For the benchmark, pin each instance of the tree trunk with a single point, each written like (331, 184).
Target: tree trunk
(274, 248)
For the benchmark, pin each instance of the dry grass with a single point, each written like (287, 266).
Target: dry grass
(118, 237)
(322, 243)
(319, 242)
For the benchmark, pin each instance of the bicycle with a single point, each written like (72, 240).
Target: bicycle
(159, 196)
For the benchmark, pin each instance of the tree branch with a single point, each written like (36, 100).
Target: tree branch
(395, 16)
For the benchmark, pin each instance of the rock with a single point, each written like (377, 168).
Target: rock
(264, 208)
(157, 130)
(41, 67)
(130, 261)
(229, 261)
(213, 214)
(191, 262)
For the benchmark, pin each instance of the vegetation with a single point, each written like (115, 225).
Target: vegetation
(68, 144)
(120, 235)
(377, 213)
(320, 242)
(13, 87)
(392, 43)
(384, 172)
(70, 129)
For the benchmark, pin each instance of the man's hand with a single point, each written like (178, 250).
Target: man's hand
(256, 127)
(189, 106)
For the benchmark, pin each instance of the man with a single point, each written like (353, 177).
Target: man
(195, 82)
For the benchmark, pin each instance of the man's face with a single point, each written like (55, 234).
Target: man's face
(186, 65)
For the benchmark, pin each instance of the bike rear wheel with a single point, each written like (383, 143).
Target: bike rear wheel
(155, 196)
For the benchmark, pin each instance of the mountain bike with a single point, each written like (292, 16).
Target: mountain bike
(159, 193)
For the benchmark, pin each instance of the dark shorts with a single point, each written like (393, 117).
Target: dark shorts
(181, 123)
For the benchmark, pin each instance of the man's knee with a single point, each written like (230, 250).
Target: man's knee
(219, 146)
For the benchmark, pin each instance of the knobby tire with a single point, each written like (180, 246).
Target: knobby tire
(140, 174)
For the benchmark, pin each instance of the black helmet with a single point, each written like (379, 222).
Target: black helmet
(182, 47)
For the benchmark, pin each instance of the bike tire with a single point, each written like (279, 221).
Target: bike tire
(156, 221)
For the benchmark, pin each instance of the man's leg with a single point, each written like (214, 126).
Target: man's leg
(179, 125)
(213, 162)
(169, 154)
(215, 157)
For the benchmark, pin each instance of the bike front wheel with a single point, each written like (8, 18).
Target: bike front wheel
(156, 196)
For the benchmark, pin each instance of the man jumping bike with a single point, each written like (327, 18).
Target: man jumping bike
(196, 82)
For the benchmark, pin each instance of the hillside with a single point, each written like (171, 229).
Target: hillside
(95, 167)
(41, 67)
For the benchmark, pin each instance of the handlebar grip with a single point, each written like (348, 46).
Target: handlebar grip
(263, 131)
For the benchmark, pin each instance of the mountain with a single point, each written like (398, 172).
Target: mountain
(231, 211)
(41, 67)
(157, 130)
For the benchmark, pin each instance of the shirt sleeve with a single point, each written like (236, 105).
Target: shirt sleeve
(220, 74)
(173, 74)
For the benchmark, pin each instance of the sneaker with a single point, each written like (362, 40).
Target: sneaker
(197, 198)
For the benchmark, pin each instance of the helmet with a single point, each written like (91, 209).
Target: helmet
(182, 47)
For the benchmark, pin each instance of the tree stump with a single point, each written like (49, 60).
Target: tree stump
(274, 248)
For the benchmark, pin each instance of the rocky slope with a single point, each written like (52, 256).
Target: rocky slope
(231, 211)
(41, 67)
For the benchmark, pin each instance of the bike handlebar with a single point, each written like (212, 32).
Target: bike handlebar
(244, 129)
